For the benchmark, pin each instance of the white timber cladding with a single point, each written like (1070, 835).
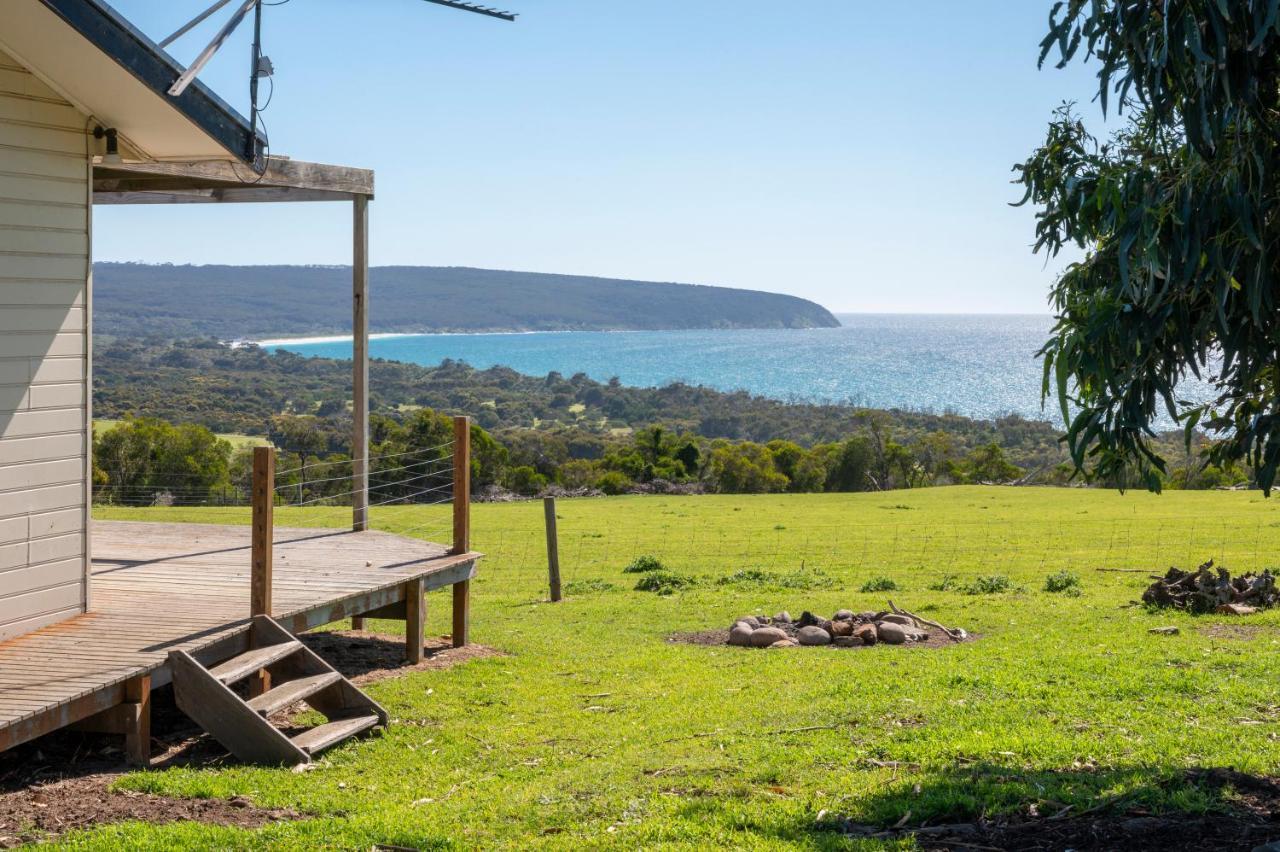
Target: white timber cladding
(44, 353)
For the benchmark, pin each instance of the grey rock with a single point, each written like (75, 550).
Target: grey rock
(750, 619)
(867, 634)
(843, 615)
(891, 633)
(813, 635)
(894, 618)
(740, 635)
(783, 617)
(841, 627)
(766, 636)
(868, 615)
(847, 642)
(785, 643)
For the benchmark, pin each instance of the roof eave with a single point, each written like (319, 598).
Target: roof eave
(108, 31)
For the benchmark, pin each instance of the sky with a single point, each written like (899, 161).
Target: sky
(852, 152)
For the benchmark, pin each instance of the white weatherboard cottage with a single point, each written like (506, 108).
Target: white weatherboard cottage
(85, 118)
(91, 624)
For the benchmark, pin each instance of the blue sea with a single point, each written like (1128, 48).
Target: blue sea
(976, 365)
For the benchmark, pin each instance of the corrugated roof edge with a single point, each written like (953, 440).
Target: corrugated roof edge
(111, 33)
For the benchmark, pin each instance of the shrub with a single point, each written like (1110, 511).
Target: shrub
(583, 587)
(879, 584)
(614, 482)
(1063, 582)
(643, 565)
(759, 578)
(994, 584)
(664, 582)
(525, 480)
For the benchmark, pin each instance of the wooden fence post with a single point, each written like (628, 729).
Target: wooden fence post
(264, 492)
(461, 526)
(553, 547)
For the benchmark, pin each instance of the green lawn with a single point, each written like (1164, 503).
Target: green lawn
(597, 732)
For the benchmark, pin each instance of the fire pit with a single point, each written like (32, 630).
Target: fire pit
(845, 629)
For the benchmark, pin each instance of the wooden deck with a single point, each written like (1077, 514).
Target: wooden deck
(160, 587)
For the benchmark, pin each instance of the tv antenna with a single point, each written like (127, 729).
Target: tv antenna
(261, 65)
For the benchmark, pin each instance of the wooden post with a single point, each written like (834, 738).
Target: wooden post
(461, 526)
(137, 735)
(415, 619)
(360, 365)
(461, 614)
(264, 502)
(264, 492)
(461, 484)
(553, 547)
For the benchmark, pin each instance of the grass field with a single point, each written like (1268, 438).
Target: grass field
(597, 732)
(101, 427)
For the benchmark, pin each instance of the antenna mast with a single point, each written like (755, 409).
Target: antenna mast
(188, 76)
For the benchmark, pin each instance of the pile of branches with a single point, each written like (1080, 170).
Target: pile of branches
(1209, 589)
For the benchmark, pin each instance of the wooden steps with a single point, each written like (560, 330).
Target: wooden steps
(291, 692)
(239, 668)
(321, 737)
(298, 674)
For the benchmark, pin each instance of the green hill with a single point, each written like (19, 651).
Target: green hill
(231, 302)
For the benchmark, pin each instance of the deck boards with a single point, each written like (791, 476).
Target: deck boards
(158, 587)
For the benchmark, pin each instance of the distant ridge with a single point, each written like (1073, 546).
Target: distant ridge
(239, 302)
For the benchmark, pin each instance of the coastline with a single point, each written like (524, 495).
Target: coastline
(305, 340)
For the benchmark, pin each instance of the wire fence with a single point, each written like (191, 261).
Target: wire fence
(598, 545)
(308, 493)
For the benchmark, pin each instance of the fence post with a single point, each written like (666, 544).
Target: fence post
(461, 484)
(461, 526)
(264, 490)
(553, 547)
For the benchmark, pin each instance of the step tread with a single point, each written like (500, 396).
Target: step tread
(250, 661)
(291, 692)
(331, 733)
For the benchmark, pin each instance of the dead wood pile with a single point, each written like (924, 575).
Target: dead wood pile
(1210, 589)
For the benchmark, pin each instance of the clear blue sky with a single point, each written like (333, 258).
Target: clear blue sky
(853, 152)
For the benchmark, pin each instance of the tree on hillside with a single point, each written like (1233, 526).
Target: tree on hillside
(1179, 213)
(140, 460)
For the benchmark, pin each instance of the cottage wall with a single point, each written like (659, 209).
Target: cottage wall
(45, 280)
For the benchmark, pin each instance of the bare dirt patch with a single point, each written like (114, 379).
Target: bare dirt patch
(367, 657)
(1239, 632)
(38, 813)
(721, 637)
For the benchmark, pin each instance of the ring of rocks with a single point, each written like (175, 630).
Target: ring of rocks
(845, 628)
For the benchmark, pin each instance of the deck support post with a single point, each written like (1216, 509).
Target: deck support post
(461, 526)
(137, 734)
(360, 371)
(360, 364)
(131, 717)
(415, 620)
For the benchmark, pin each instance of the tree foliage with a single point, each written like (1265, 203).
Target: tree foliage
(1177, 211)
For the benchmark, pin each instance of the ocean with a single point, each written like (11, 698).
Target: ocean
(975, 365)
